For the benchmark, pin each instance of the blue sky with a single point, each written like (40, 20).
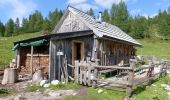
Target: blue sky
(22, 8)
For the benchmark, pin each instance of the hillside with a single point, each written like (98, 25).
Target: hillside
(6, 45)
(159, 48)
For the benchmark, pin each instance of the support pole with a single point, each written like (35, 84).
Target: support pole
(129, 87)
(31, 62)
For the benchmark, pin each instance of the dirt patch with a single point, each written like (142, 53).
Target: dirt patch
(82, 91)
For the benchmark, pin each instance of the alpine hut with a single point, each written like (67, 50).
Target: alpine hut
(77, 36)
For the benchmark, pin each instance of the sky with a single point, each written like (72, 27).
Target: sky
(22, 8)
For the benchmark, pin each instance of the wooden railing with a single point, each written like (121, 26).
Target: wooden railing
(87, 73)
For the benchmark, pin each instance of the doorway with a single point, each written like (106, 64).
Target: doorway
(77, 51)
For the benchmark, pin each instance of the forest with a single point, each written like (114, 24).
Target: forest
(138, 27)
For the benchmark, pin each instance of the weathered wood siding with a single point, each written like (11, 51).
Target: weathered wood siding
(70, 24)
(113, 53)
(65, 45)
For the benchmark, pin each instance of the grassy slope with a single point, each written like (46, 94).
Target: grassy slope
(153, 92)
(6, 45)
(159, 48)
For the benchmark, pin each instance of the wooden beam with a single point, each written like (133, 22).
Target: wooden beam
(114, 67)
(18, 58)
(49, 65)
(31, 61)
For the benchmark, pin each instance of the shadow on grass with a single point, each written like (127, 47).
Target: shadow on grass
(142, 87)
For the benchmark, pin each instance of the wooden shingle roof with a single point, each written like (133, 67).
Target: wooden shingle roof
(102, 29)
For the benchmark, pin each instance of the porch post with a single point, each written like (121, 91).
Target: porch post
(31, 61)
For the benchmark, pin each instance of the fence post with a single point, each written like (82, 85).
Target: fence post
(129, 87)
(150, 72)
(94, 82)
(76, 71)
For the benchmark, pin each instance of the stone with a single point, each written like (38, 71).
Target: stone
(46, 85)
(164, 85)
(55, 82)
(43, 82)
(10, 76)
(74, 94)
(100, 91)
(54, 94)
(168, 89)
(18, 97)
(37, 76)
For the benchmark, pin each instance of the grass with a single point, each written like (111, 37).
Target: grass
(6, 92)
(65, 86)
(71, 85)
(158, 48)
(92, 94)
(153, 92)
(6, 45)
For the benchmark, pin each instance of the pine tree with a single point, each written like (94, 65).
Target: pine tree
(2, 29)
(90, 12)
(25, 25)
(106, 16)
(46, 25)
(9, 28)
(39, 21)
(120, 15)
(54, 17)
(17, 26)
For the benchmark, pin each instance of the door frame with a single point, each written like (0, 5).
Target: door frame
(73, 50)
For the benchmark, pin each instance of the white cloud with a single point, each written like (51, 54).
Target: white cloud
(86, 6)
(108, 3)
(135, 11)
(153, 15)
(19, 8)
(76, 1)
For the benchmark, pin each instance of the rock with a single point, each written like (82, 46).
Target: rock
(55, 82)
(168, 89)
(10, 76)
(54, 94)
(100, 91)
(164, 85)
(37, 76)
(74, 94)
(46, 85)
(18, 97)
(43, 82)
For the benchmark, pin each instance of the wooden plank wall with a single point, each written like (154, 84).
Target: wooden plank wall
(65, 46)
(113, 53)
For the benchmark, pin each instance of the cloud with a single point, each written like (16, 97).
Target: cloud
(19, 8)
(82, 4)
(135, 11)
(86, 6)
(108, 3)
(153, 15)
(76, 1)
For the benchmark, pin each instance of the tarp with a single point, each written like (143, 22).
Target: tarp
(30, 43)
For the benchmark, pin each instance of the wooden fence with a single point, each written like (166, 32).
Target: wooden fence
(87, 73)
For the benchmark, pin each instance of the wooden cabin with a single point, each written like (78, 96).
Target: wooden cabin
(77, 36)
